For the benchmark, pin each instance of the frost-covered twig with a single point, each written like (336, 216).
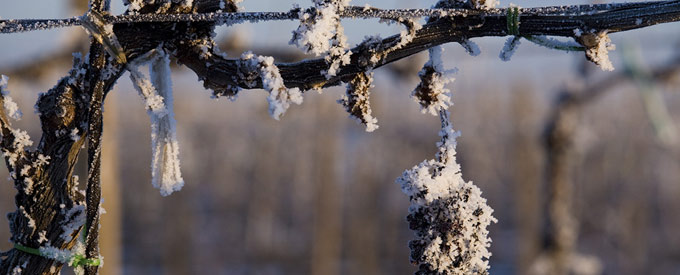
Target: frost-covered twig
(597, 47)
(431, 93)
(555, 44)
(379, 49)
(280, 98)
(448, 214)
(356, 100)
(509, 48)
(321, 33)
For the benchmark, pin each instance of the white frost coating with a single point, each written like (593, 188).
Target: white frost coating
(67, 256)
(50, 252)
(42, 160)
(157, 94)
(598, 51)
(280, 97)
(75, 218)
(24, 171)
(356, 100)
(74, 134)
(578, 32)
(31, 221)
(153, 101)
(448, 214)
(321, 33)
(21, 140)
(406, 36)
(485, 4)
(431, 92)
(509, 48)
(165, 164)
(552, 43)
(10, 106)
(28, 186)
(42, 237)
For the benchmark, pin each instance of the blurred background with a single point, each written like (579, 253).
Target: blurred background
(581, 166)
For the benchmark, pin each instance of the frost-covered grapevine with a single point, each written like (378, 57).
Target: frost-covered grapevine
(447, 213)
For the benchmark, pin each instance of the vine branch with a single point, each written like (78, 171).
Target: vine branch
(218, 72)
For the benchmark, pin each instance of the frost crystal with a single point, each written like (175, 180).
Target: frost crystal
(597, 49)
(431, 93)
(10, 106)
(378, 50)
(356, 100)
(448, 214)
(157, 93)
(74, 218)
(485, 4)
(21, 139)
(280, 97)
(407, 35)
(320, 32)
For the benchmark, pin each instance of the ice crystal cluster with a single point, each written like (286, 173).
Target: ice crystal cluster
(8, 103)
(598, 46)
(157, 94)
(431, 93)
(356, 100)
(448, 214)
(280, 98)
(21, 138)
(321, 33)
(484, 4)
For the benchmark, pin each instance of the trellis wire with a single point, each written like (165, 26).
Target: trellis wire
(25, 25)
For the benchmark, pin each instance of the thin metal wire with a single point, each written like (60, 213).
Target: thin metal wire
(24, 25)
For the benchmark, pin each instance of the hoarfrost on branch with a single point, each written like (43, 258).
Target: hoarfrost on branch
(448, 214)
(431, 93)
(280, 97)
(356, 100)
(321, 33)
